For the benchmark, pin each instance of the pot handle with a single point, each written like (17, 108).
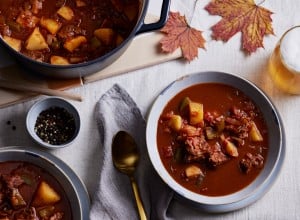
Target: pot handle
(164, 14)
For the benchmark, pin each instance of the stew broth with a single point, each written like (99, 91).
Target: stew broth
(220, 153)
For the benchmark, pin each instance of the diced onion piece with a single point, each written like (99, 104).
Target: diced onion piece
(254, 133)
(190, 130)
(50, 24)
(45, 195)
(72, 44)
(210, 133)
(106, 35)
(66, 12)
(80, 3)
(47, 212)
(36, 41)
(58, 60)
(175, 122)
(13, 42)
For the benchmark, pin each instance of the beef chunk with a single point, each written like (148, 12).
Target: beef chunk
(216, 156)
(13, 181)
(28, 214)
(197, 147)
(57, 216)
(250, 161)
(9, 189)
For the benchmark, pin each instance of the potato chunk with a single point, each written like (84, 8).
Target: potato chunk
(45, 195)
(229, 147)
(13, 42)
(66, 12)
(254, 133)
(175, 122)
(50, 24)
(72, 44)
(106, 35)
(58, 60)
(195, 112)
(193, 171)
(36, 41)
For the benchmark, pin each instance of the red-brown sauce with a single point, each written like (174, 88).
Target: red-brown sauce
(229, 174)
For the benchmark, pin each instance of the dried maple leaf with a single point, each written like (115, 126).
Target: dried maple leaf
(180, 34)
(241, 15)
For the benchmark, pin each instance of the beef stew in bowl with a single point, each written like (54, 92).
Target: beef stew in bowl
(216, 139)
(38, 185)
(203, 141)
(30, 192)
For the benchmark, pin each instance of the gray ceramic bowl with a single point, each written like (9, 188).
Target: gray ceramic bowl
(72, 185)
(45, 104)
(273, 164)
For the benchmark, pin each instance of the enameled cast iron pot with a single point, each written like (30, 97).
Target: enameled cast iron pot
(87, 68)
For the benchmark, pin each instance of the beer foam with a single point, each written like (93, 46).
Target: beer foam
(290, 49)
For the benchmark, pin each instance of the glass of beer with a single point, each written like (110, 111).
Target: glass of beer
(284, 63)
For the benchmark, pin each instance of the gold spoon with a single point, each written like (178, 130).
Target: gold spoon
(125, 158)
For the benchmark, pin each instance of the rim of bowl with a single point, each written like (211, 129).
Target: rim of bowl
(274, 161)
(48, 160)
(44, 104)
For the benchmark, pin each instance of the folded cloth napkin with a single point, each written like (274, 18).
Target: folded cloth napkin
(114, 198)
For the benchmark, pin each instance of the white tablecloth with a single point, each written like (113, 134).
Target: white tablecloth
(283, 199)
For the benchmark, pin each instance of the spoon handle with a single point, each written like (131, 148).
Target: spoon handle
(138, 200)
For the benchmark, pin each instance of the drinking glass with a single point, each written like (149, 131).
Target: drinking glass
(284, 63)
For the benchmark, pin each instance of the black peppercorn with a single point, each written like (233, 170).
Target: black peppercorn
(55, 126)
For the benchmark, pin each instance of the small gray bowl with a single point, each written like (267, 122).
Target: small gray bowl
(276, 154)
(43, 105)
(73, 186)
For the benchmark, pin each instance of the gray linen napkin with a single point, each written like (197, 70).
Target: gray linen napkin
(114, 198)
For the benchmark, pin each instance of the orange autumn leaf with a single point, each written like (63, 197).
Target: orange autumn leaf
(180, 35)
(241, 15)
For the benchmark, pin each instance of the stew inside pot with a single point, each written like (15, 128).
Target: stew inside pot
(212, 139)
(66, 31)
(30, 192)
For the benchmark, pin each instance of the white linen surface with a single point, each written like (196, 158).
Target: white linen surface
(282, 201)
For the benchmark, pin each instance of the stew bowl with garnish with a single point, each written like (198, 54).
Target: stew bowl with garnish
(72, 38)
(38, 185)
(216, 139)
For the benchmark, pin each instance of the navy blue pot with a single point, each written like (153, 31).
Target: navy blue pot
(87, 68)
